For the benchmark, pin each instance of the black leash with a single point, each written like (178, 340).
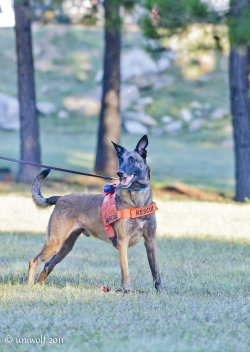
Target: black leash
(56, 168)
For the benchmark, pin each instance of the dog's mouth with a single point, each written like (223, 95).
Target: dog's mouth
(127, 181)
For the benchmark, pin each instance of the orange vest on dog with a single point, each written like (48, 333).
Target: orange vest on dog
(110, 213)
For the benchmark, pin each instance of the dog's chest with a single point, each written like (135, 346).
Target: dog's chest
(136, 232)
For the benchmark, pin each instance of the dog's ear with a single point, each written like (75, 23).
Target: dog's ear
(119, 149)
(141, 147)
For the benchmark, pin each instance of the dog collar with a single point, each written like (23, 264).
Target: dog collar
(137, 190)
(110, 213)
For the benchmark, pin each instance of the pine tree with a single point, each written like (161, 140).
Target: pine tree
(30, 146)
(174, 17)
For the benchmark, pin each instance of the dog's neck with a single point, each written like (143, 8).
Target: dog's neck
(137, 196)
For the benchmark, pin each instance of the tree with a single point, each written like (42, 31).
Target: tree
(110, 120)
(29, 128)
(239, 71)
(174, 17)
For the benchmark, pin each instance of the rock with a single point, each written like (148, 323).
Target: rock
(135, 127)
(228, 129)
(145, 101)
(204, 79)
(166, 119)
(174, 126)
(186, 115)
(164, 80)
(62, 114)
(207, 106)
(46, 108)
(228, 143)
(134, 63)
(145, 81)
(219, 114)
(156, 131)
(99, 76)
(129, 95)
(196, 105)
(140, 117)
(9, 112)
(163, 64)
(195, 125)
(86, 105)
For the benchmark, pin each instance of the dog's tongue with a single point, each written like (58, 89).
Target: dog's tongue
(126, 180)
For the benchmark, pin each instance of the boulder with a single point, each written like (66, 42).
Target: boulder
(163, 64)
(63, 114)
(166, 119)
(9, 112)
(174, 126)
(228, 143)
(145, 101)
(145, 81)
(186, 115)
(134, 63)
(129, 95)
(140, 117)
(163, 80)
(196, 105)
(156, 131)
(219, 114)
(46, 108)
(195, 125)
(135, 127)
(86, 105)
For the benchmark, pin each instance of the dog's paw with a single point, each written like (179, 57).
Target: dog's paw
(159, 289)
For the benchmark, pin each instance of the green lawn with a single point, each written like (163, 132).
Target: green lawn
(205, 306)
(203, 251)
(67, 59)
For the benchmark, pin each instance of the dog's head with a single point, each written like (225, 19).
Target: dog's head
(133, 169)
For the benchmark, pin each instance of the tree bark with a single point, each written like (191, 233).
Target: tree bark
(110, 120)
(240, 107)
(29, 128)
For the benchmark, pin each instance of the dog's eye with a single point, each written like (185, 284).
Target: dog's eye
(132, 160)
(121, 160)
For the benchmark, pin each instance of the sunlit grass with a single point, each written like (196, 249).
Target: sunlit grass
(203, 251)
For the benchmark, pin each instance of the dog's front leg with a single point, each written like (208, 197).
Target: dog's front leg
(150, 244)
(123, 253)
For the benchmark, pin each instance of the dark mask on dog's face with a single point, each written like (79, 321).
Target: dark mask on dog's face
(133, 167)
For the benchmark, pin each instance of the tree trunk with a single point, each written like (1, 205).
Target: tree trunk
(240, 107)
(110, 120)
(29, 128)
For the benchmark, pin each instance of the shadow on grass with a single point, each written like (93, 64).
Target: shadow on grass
(197, 265)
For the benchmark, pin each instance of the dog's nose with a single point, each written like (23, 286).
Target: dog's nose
(120, 173)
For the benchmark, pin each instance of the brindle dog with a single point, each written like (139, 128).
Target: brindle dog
(82, 213)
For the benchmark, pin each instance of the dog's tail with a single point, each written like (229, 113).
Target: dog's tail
(40, 201)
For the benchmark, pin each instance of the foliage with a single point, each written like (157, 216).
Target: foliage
(239, 28)
(174, 16)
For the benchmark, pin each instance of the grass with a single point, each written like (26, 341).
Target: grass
(203, 247)
(205, 273)
(73, 57)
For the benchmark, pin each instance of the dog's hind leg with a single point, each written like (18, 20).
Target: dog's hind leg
(66, 248)
(53, 243)
(47, 251)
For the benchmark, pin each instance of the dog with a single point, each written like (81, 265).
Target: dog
(80, 213)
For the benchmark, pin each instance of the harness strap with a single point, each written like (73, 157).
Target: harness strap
(110, 213)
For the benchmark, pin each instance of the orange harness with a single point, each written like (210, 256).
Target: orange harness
(110, 213)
